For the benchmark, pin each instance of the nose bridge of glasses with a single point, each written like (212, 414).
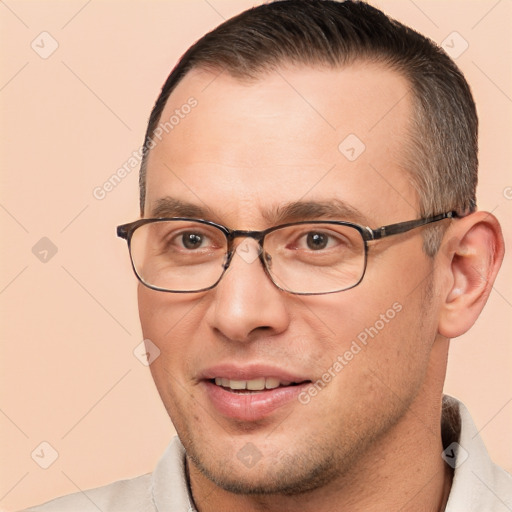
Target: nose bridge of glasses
(244, 243)
(249, 248)
(242, 233)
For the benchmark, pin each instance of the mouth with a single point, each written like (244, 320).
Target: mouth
(254, 398)
(254, 385)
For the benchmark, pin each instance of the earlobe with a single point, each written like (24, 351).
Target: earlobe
(472, 257)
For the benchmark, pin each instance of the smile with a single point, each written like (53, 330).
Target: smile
(251, 393)
(258, 384)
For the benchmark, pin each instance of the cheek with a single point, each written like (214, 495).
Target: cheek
(170, 322)
(387, 322)
(362, 313)
(162, 314)
(401, 330)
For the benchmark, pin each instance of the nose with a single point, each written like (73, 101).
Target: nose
(246, 303)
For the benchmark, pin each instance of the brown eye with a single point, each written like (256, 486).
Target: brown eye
(191, 240)
(316, 241)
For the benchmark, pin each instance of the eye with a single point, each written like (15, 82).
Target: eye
(192, 240)
(317, 240)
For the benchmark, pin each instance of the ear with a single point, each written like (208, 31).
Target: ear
(471, 256)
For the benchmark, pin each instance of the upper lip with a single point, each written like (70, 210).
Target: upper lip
(249, 372)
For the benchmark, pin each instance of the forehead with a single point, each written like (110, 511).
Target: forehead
(239, 146)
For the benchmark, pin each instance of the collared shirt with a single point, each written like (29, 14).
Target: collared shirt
(478, 484)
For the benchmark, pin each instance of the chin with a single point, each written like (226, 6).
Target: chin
(276, 474)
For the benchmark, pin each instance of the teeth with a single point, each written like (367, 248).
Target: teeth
(251, 385)
(237, 384)
(256, 384)
(271, 383)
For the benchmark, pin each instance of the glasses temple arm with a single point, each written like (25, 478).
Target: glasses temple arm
(403, 227)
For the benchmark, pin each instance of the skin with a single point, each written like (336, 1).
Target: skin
(370, 440)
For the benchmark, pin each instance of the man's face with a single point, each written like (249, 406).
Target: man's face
(243, 154)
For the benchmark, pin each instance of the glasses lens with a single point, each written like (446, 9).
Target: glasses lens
(315, 257)
(178, 255)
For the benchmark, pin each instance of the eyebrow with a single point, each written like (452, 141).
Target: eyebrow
(171, 207)
(332, 209)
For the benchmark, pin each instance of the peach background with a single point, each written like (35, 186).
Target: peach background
(70, 325)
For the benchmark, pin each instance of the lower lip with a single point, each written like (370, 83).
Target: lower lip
(252, 406)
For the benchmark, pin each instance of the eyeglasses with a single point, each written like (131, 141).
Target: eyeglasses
(182, 255)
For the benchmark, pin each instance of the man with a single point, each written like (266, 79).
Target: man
(309, 244)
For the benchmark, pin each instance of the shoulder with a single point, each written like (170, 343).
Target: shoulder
(478, 483)
(122, 496)
(164, 489)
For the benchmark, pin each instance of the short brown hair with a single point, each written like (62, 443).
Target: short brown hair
(441, 152)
